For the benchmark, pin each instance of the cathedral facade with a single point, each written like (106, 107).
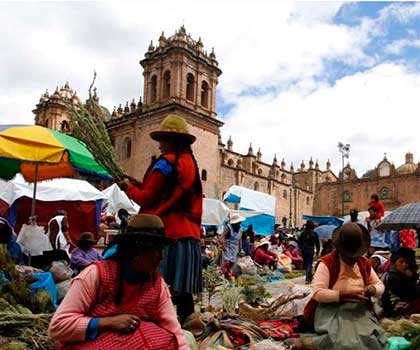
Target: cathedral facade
(181, 77)
(395, 186)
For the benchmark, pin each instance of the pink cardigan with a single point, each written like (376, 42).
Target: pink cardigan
(350, 280)
(69, 322)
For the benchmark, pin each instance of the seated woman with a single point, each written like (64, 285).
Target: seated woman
(402, 292)
(122, 302)
(340, 309)
(293, 253)
(264, 256)
(84, 254)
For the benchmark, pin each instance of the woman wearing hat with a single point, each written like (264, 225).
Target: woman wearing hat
(264, 256)
(172, 190)
(122, 302)
(340, 309)
(84, 254)
(232, 243)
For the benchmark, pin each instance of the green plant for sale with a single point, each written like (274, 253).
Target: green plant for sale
(255, 295)
(231, 296)
(212, 281)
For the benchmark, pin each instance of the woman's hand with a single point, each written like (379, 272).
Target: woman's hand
(121, 323)
(370, 291)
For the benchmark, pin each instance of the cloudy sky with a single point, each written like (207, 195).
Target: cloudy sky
(297, 76)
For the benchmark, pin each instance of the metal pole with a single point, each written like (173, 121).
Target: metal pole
(34, 194)
(290, 206)
(342, 185)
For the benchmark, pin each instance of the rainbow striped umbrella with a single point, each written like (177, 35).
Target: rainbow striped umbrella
(40, 154)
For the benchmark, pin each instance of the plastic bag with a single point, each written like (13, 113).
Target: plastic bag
(61, 271)
(33, 240)
(398, 343)
(267, 345)
(45, 281)
(284, 263)
(190, 340)
(62, 289)
(247, 265)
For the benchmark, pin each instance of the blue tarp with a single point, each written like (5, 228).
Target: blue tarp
(324, 220)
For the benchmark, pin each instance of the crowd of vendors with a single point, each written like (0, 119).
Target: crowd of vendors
(135, 289)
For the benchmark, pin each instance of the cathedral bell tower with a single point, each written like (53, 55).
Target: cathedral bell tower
(178, 70)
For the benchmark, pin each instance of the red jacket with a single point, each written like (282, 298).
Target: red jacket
(379, 206)
(264, 258)
(180, 210)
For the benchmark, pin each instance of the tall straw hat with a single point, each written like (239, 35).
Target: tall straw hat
(236, 219)
(173, 126)
(351, 240)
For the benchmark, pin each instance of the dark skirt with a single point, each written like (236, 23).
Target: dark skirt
(182, 266)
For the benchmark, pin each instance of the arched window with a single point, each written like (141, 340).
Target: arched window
(166, 84)
(283, 177)
(239, 164)
(204, 175)
(308, 200)
(47, 123)
(230, 162)
(254, 168)
(285, 194)
(256, 186)
(260, 171)
(205, 94)
(127, 148)
(384, 169)
(153, 89)
(64, 126)
(346, 196)
(384, 193)
(190, 87)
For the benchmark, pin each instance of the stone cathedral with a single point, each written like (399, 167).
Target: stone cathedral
(181, 77)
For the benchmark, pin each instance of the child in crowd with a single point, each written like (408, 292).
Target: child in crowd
(402, 292)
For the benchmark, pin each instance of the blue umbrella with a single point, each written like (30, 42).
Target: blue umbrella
(325, 231)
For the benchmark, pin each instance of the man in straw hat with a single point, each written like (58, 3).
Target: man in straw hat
(122, 302)
(232, 244)
(172, 190)
(340, 309)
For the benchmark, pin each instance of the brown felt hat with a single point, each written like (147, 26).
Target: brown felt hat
(145, 227)
(86, 237)
(351, 240)
(173, 126)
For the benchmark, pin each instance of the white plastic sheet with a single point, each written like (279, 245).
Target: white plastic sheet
(117, 199)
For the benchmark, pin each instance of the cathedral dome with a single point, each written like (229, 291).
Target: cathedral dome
(409, 167)
(66, 92)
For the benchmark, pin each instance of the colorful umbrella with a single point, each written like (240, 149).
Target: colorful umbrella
(40, 154)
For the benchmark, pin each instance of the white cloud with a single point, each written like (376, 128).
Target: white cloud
(373, 111)
(398, 46)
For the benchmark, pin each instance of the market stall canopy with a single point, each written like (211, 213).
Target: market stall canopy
(405, 217)
(250, 200)
(215, 212)
(40, 153)
(325, 231)
(62, 189)
(324, 220)
(117, 199)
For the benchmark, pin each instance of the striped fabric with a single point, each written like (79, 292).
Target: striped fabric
(407, 216)
(182, 267)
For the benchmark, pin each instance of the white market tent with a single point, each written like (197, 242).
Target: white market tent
(117, 199)
(61, 189)
(216, 212)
